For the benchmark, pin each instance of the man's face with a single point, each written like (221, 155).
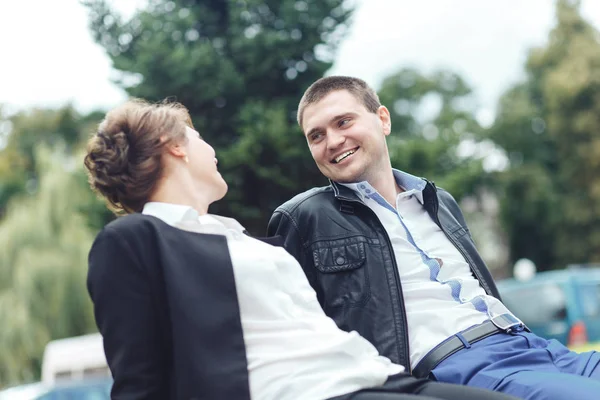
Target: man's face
(346, 140)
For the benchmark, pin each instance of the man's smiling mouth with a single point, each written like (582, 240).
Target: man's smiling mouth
(343, 156)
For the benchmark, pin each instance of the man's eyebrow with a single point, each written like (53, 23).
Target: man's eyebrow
(313, 131)
(340, 116)
(333, 119)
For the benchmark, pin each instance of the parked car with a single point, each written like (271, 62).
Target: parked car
(73, 368)
(74, 358)
(562, 305)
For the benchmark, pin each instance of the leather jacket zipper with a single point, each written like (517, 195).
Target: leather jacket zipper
(397, 276)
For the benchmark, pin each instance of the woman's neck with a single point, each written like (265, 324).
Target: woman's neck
(174, 191)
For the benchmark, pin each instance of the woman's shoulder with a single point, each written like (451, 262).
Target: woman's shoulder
(134, 222)
(132, 235)
(132, 226)
(138, 230)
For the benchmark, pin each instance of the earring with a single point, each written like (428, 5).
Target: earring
(187, 160)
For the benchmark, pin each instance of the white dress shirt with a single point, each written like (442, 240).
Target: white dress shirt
(441, 296)
(294, 350)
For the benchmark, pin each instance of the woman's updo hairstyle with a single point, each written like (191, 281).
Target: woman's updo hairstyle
(123, 158)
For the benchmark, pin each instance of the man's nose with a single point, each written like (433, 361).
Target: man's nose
(334, 140)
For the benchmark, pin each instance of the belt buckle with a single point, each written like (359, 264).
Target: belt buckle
(508, 323)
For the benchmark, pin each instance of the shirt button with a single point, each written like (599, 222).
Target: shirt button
(362, 186)
(340, 260)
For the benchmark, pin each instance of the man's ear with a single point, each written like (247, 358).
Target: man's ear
(386, 120)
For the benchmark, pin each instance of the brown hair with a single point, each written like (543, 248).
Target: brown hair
(123, 157)
(321, 88)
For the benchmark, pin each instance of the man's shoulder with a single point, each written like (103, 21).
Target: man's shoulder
(446, 197)
(307, 200)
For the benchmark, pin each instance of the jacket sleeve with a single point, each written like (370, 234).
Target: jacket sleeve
(127, 318)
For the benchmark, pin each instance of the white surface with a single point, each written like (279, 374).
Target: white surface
(49, 58)
(72, 354)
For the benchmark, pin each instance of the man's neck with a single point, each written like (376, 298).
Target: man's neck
(387, 187)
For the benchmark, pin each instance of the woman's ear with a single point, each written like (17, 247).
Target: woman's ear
(176, 149)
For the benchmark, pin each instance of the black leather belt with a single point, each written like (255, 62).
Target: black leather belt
(452, 345)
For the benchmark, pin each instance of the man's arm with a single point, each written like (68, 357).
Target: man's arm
(284, 225)
(127, 319)
(281, 224)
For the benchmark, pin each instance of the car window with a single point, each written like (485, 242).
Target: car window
(589, 295)
(537, 304)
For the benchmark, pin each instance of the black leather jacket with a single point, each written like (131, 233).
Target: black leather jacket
(348, 259)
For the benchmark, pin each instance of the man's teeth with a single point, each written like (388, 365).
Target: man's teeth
(342, 156)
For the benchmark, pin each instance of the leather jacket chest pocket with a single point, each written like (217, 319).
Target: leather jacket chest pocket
(343, 278)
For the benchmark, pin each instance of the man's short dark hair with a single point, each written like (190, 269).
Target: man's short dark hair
(321, 88)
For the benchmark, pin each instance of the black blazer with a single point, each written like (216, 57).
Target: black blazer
(166, 304)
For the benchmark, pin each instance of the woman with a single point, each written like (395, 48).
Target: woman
(190, 307)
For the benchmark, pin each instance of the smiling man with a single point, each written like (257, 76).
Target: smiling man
(344, 137)
(391, 257)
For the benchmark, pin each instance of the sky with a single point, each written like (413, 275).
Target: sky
(50, 59)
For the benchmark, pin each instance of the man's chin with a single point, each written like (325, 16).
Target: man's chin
(344, 178)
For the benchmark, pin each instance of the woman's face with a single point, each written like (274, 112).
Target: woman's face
(202, 164)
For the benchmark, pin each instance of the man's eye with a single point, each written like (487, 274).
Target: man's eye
(343, 121)
(315, 136)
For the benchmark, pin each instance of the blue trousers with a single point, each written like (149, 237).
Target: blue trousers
(524, 365)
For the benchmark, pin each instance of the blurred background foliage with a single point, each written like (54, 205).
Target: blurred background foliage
(529, 183)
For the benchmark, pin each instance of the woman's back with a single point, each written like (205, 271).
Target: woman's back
(166, 305)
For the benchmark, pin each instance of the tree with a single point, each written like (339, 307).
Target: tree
(23, 131)
(43, 266)
(431, 117)
(240, 66)
(549, 126)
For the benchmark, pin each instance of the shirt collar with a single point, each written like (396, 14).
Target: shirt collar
(173, 214)
(170, 213)
(406, 181)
